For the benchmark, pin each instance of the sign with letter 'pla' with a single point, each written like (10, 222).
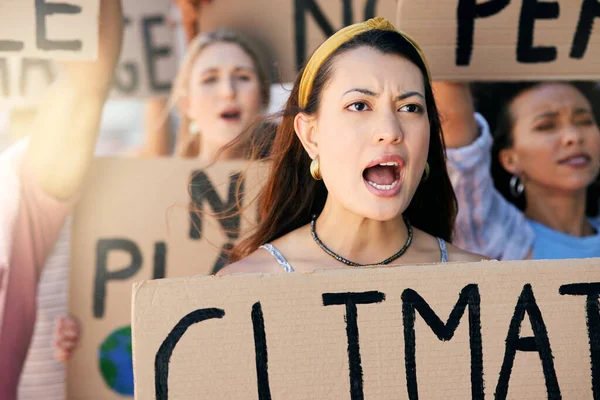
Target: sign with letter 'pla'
(66, 29)
(519, 330)
(136, 220)
(506, 39)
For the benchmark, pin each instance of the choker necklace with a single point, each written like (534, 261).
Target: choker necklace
(353, 264)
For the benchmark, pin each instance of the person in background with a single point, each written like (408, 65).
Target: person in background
(358, 174)
(39, 179)
(222, 88)
(527, 182)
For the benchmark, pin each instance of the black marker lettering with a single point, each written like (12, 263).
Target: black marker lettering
(301, 7)
(592, 293)
(201, 190)
(223, 259)
(132, 83)
(590, 10)
(153, 53)
(466, 14)
(103, 248)
(160, 260)
(163, 356)
(354, 362)
(5, 77)
(469, 296)
(539, 342)
(43, 9)
(11, 46)
(260, 349)
(530, 11)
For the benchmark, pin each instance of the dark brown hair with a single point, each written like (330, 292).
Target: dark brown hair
(493, 102)
(291, 196)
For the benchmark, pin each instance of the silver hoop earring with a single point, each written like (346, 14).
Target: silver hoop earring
(193, 128)
(516, 186)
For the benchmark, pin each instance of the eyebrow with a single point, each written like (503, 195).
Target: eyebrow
(236, 69)
(373, 94)
(552, 114)
(582, 110)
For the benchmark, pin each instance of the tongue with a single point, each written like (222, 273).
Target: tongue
(380, 175)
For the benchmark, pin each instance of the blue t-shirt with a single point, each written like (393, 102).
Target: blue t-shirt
(550, 244)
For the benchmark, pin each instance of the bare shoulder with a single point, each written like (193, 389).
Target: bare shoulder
(258, 262)
(458, 254)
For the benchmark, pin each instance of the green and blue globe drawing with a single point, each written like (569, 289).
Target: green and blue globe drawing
(116, 362)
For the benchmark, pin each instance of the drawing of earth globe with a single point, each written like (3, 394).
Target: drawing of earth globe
(116, 363)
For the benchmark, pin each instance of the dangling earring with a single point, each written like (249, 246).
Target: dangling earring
(516, 186)
(426, 173)
(193, 128)
(315, 169)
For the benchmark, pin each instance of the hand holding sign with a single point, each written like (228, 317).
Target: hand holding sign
(97, 76)
(65, 131)
(189, 16)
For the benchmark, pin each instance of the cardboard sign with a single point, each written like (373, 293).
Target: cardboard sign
(49, 29)
(24, 81)
(291, 29)
(506, 39)
(133, 222)
(520, 330)
(148, 62)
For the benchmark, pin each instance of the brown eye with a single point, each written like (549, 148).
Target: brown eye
(545, 127)
(412, 108)
(209, 80)
(358, 106)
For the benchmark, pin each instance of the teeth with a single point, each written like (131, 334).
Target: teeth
(383, 187)
(389, 164)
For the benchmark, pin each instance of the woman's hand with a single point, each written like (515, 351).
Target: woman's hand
(455, 105)
(64, 133)
(190, 11)
(66, 333)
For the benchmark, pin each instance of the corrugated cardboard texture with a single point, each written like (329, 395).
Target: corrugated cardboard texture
(307, 345)
(148, 63)
(288, 28)
(75, 20)
(139, 206)
(434, 25)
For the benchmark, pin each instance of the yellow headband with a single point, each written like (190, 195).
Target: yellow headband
(336, 40)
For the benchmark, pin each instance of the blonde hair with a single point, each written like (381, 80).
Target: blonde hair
(202, 41)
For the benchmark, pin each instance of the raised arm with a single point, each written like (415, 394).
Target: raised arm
(64, 134)
(486, 223)
(455, 105)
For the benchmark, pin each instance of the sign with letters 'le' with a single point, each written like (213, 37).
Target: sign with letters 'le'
(49, 29)
(134, 222)
(518, 330)
(503, 40)
(147, 67)
(291, 29)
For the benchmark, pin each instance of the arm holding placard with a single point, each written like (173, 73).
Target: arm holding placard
(65, 131)
(486, 223)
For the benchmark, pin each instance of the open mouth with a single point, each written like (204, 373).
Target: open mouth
(384, 178)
